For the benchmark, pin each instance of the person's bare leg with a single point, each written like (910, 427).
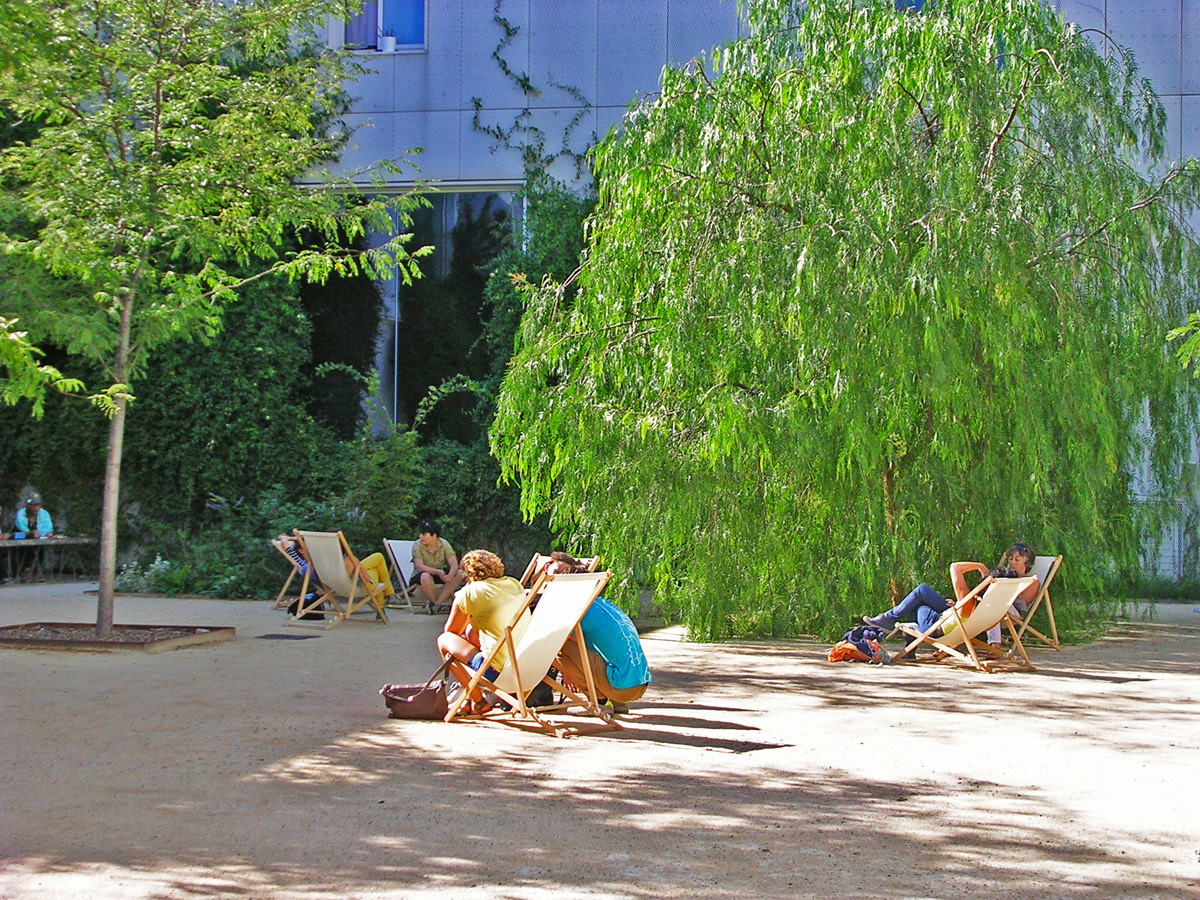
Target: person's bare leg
(461, 652)
(447, 591)
(427, 589)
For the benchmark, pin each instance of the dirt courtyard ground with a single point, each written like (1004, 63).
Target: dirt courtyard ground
(266, 768)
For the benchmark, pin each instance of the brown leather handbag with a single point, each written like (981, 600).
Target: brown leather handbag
(418, 701)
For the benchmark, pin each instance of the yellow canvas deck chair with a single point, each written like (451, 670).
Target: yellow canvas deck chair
(340, 574)
(1045, 568)
(565, 599)
(399, 557)
(970, 617)
(295, 559)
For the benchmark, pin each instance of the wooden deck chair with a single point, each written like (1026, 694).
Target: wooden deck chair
(535, 574)
(281, 599)
(535, 565)
(970, 617)
(1045, 568)
(399, 556)
(565, 599)
(327, 552)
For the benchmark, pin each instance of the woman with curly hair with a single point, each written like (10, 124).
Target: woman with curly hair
(481, 610)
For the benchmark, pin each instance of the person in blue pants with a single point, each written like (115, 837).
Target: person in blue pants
(925, 606)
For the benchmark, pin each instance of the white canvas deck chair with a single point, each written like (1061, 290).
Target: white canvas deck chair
(1045, 568)
(294, 557)
(970, 617)
(565, 599)
(399, 557)
(328, 553)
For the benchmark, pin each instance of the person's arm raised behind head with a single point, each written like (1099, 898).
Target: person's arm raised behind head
(958, 576)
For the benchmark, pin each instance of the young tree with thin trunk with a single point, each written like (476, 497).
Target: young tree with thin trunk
(164, 174)
(874, 290)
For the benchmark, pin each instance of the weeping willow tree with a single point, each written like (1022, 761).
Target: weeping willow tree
(874, 291)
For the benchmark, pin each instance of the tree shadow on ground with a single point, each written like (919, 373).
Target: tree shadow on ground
(481, 810)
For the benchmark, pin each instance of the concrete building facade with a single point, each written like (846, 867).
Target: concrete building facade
(465, 72)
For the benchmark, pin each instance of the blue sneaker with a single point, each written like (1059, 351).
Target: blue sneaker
(883, 620)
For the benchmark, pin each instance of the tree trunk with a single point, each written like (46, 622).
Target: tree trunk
(112, 480)
(889, 515)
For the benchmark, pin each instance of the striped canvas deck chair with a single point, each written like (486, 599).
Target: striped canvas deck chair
(970, 617)
(295, 559)
(1045, 568)
(565, 599)
(335, 572)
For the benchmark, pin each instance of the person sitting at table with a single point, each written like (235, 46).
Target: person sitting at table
(32, 521)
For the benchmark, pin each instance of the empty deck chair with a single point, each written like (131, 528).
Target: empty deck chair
(565, 599)
(340, 574)
(399, 555)
(971, 616)
(1045, 568)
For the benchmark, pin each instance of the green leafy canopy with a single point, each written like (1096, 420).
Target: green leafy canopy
(163, 174)
(872, 291)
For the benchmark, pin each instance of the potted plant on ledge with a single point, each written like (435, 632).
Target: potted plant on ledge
(387, 40)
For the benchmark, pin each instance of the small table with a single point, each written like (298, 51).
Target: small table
(26, 553)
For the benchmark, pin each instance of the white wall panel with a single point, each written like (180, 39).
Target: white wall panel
(481, 75)
(1190, 54)
(437, 133)
(1189, 126)
(696, 26)
(370, 142)
(613, 51)
(1084, 13)
(631, 49)
(478, 161)
(562, 50)
(1150, 28)
(374, 90)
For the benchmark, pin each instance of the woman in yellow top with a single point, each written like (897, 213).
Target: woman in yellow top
(477, 619)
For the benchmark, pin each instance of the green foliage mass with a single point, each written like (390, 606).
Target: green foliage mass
(163, 176)
(876, 291)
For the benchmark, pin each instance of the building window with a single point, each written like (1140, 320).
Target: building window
(380, 20)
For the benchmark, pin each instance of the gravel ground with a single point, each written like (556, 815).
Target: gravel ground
(266, 768)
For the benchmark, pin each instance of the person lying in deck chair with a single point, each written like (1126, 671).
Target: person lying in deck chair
(924, 605)
(374, 565)
(614, 649)
(478, 616)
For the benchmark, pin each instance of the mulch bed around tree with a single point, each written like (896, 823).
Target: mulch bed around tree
(82, 636)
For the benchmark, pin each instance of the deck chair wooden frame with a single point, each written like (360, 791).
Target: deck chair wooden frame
(987, 604)
(536, 562)
(565, 599)
(535, 575)
(399, 557)
(1045, 568)
(326, 552)
(281, 599)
